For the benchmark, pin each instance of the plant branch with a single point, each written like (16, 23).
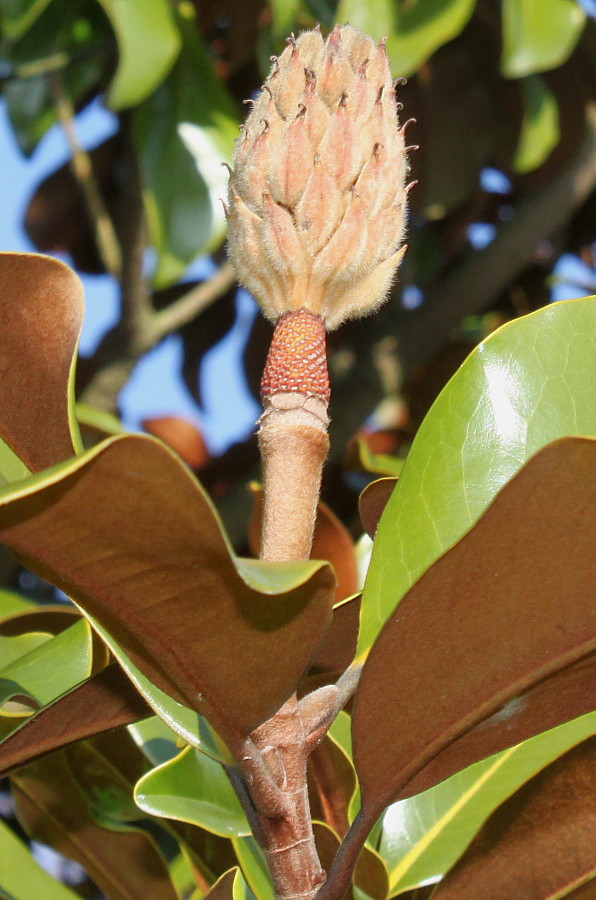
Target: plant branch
(188, 307)
(105, 234)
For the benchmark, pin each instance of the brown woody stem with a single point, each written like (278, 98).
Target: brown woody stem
(294, 443)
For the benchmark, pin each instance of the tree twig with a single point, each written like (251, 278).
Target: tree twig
(105, 234)
(188, 307)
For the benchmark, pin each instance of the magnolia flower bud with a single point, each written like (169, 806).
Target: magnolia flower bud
(317, 197)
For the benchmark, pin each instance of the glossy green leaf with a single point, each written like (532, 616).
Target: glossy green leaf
(50, 667)
(193, 788)
(540, 125)
(527, 384)
(423, 836)
(539, 34)
(105, 701)
(240, 889)
(254, 867)
(41, 313)
(19, 15)
(126, 530)
(13, 648)
(546, 833)
(21, 878)
(148, 43)
(182, 134)
(11, 467)
(125, 863)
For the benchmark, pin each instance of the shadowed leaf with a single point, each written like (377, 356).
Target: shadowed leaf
(223, 887)
(370, 875)
(339, 645)
(540, 843)
(372, 502)
(124, 863)
(41, 312)
(127, 532)
(503, 623)
(333, 783)
(105, 701)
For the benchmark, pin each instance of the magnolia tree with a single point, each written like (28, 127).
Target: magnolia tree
(199, 723)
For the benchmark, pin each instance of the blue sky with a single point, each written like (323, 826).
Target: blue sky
(155, 388)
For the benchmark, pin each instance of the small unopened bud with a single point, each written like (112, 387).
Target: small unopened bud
(317, 199)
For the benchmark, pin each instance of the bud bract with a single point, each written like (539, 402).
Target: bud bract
(317, 199)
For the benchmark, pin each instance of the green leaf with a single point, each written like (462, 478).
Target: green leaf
(539, 34)
(21, 878)
(284, 15)
(11, 603)
(50, 667)
(19, 15)
(11, 467)
(148, 43)
(526, 385)
(128, 533)
(193, 788)
(41, 314)
(540, 125)
(190, 115)
(423, 836)
(13, 648)
(254, 867)
(67, 37)
(376, 18)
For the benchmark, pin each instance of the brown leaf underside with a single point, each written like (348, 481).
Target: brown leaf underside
(105, 701)
(41, 309)
(501, 626)
(129, 536)
(538, 843)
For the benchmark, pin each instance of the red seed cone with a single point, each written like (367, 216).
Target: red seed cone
(317, 198)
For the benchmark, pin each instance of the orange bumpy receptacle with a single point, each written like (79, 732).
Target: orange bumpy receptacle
(297, 359)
